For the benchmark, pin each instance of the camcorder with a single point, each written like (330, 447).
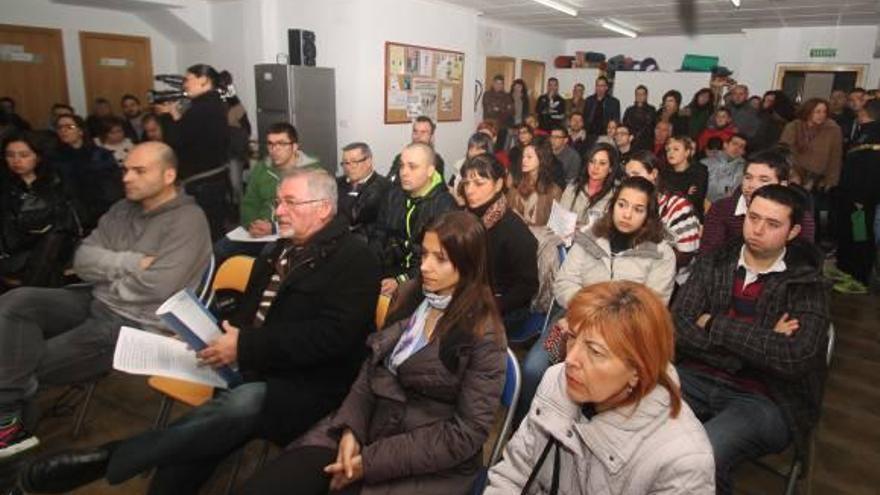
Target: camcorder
(163, 96)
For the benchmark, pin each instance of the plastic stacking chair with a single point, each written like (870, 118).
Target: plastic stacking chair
(204, 293)
(801, 466)
(382, 310)
(536, 322)
(509, 398)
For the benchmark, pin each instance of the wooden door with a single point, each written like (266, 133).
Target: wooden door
(32, 71)
(114, 65)
(533, 75)
(506, 66)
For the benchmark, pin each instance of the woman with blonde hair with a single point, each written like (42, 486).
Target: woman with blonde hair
(610, 419)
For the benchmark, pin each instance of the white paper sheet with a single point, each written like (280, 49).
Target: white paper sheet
(190, 312)
(144, 353)
(562, 222)
(240, 234)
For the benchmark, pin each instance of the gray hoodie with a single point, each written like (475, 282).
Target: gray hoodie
(176, 234)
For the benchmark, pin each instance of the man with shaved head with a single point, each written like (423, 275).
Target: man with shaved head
(397, 236)
(148, 246)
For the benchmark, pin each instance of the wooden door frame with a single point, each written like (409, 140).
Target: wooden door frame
(536, 62)
(54, 33)
(861, 71)
(502, 58)
(84, 35)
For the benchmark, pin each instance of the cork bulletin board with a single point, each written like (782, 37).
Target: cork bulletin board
(422, 81)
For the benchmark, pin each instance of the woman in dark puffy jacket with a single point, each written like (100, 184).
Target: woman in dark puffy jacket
(38, 225)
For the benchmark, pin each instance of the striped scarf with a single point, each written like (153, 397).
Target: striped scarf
(282, 268)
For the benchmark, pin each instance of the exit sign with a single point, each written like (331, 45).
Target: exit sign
(823, 52)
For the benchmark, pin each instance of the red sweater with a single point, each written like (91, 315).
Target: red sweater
(725, 134)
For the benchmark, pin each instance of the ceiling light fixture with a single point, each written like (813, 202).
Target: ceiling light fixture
(618, 29)
(736, 3)
(553, 4)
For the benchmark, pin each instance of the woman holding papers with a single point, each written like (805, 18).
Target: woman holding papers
(419, 412)
(588, 195)
(513, 265)
(627, 243)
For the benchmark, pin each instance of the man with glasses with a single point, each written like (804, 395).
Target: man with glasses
(361, 189)
(256, 211)
(298, 338)
(623, 139)
(568, 158)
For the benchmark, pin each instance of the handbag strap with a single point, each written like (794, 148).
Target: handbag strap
(534, 474)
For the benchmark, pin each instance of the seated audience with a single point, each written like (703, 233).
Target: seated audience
(608, 136)
(38, 220)
(640, 118)
(627, 243)
(421, 197)
(751, 336)
(531, 189)
(113, 139)
(299, 349)
(725, 218)
(101, 109)
(682, 176)
(662, 133)
(490, 129)
(721, 126)
(361, 189)
(478, 144)
(57, 110)
(676, 212)
(588, 195)
(257, 210)
(513, 265)
(671, 112)
(623, 140)
(725, 168)
(745, 116)
(525, 134)
(610, 419)
(577, 135)
(7, 106)
(569, 159)
(424, 402)
(90, 171)
(133, 115)
(146, 248)
(152, 127)
(423, 129)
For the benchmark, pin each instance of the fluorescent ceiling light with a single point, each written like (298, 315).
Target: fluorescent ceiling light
(553, 4)
(618, 29)
(736, 3)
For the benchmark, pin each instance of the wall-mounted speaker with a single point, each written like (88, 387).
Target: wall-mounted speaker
(301, 45)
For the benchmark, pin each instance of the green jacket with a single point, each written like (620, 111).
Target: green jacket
(259, 195)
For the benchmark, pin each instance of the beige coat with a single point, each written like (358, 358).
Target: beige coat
(590, 261)
(575, 199)
(632, 451)
(818, 159)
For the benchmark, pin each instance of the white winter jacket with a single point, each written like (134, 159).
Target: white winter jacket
(634, 450)
(590, 261)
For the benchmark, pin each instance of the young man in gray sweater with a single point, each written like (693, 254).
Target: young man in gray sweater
(148, 246)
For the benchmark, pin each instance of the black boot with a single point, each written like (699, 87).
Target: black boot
(65, 471)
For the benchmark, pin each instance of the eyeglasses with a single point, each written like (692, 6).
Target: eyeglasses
(289, 203)
(68, 127)
(280, 144)
(354, 162)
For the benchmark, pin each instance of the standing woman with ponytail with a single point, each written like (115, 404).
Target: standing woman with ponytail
(200, 139)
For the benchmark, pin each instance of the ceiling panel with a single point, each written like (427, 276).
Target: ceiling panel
(660, 17)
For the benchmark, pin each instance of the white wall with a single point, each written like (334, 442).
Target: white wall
(752, 54)
(72, 19)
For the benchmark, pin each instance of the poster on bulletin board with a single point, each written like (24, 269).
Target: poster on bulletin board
(422, 81)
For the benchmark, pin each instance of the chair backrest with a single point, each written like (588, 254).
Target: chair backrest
(832, 337)
(382, 310)
(509, 399)
(205, 292)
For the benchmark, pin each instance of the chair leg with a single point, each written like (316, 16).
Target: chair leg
(791, 485)
(83, 410)
(265, 454)
(239, 460)
(164, 413)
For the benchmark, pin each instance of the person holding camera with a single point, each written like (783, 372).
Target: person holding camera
(200, 138)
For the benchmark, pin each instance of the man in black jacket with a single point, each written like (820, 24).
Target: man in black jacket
(752, 334)
(361, 190)
(421, 197)
(423, 129)
(299, 340)
(550, 107)
(600, 108)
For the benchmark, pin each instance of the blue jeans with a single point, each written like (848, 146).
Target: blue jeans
(189, 449)
(741, 425)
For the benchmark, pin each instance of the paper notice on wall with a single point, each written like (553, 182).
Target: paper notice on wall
(396, 60)
(457, 68)
(444, 67)
(446, 97)
(426, 63)
(412, 60)
(428, 93)
(397, 99)
(413, 106)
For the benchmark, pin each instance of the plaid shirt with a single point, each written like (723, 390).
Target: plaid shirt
(792, 367)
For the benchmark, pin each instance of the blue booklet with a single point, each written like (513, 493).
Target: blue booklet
(194, 323)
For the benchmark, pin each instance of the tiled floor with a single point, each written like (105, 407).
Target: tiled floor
(847, 455)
